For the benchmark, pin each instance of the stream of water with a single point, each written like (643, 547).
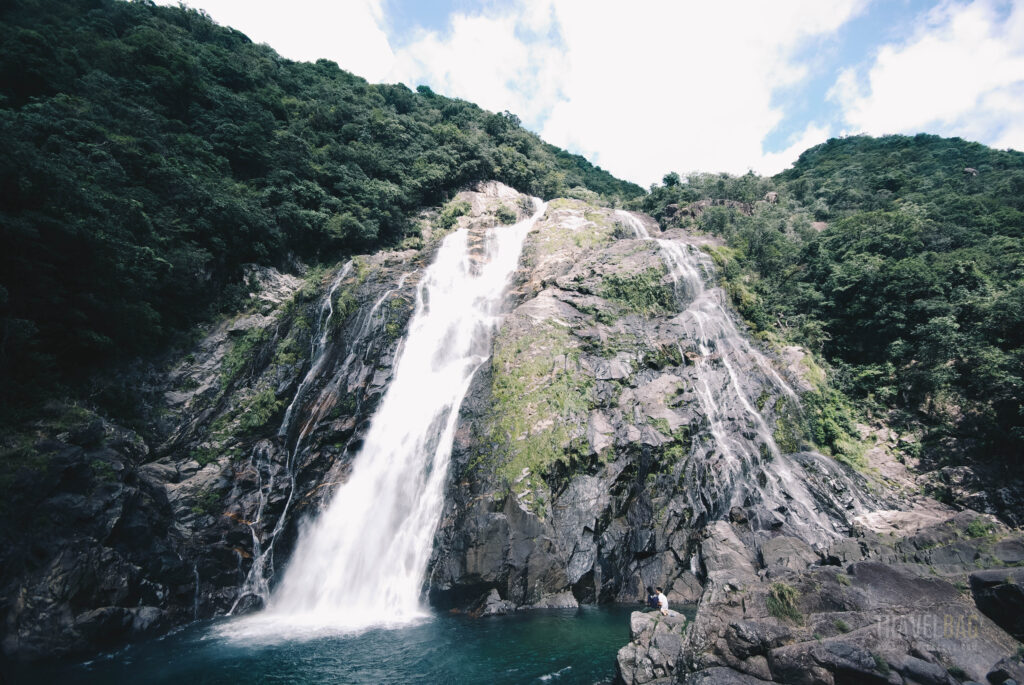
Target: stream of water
(362, 561)
(739, 445)
(257, 581)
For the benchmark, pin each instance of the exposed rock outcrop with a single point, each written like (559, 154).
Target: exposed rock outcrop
(252, 429)
(650, 656)
(888, 620)
(999, 594)
(588, 458)
(88, 558)
(143, 531)
(624, 433)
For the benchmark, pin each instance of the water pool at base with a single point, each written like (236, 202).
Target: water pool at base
(546, 646)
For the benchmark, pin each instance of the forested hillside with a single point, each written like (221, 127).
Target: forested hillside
(148, 153)
(901, 261)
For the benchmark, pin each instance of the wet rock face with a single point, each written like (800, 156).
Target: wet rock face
(619, 415)
(290, 388)
(588, 459)
(86, 559)
(251, 431)
(985, 488)
(588, 464)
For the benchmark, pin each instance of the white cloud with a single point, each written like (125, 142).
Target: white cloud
(641, 89)
(772, 162)
(346, 31)
(683, 86)
(961, 74)
(484, 59)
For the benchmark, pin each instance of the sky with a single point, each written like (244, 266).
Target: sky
(643, 88)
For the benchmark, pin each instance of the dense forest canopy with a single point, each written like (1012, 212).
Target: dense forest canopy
(149, 153)
(899, 259)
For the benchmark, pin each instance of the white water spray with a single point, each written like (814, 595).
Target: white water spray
(362, 561)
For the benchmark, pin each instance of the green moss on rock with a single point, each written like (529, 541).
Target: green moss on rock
(450, 214)
(782, 602)
(263, 407)
(240, 356)
(644, 293)
(539, 397)
(505, 215)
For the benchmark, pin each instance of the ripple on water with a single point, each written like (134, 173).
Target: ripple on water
(550, 646)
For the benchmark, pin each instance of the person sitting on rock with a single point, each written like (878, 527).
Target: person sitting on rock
(652, 598)
(662, 602)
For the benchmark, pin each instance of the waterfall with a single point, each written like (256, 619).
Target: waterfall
(741, 458)
(257, 581)
(317, 352)
(195, 598)
(362, 561)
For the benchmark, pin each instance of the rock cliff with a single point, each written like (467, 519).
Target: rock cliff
(622, 413)
(625, 432)
(114, 534)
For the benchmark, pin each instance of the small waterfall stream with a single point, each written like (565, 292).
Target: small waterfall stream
(257, 581)
(742, 461)
(362, 561)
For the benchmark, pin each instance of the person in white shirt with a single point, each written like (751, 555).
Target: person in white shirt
(662, 602)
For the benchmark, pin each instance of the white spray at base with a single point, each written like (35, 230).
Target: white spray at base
(362, 562)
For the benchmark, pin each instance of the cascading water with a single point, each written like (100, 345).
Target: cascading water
(353, 362)
(743, 461)
(362, 561)
(317, 352)
(257, 581)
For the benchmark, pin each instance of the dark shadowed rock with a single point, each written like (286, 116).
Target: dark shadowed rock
(920, 671)
(808, 664)
(999, 594)
(1010, 552)
(141, 532)
(756, 638)
(492, 605)
(1008, 671)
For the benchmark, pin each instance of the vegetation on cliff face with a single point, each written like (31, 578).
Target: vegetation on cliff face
(149, 153)
(900, 260)
(643, 293)
(538, 393)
